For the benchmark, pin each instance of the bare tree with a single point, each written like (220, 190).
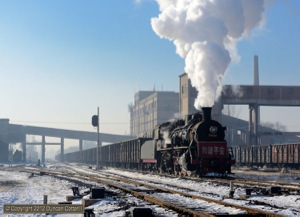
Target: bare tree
(275, 126)
(231, 110)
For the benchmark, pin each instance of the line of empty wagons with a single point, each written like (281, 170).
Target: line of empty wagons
(277, 155)
(126, 154)
(137, 152)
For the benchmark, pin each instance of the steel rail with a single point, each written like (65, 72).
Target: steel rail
(96, 178)
(247, 209)
(153, 200)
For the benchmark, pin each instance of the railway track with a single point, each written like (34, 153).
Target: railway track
(286, 186)
(256, 187)
(162, 196)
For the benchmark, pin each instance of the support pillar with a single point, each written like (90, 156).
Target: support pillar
(80, 151)
(253, 124)
(255, 127)
(62, 149)
(43, 150)
(100, 154)
(4, 142)
(256, 109)
(245, 138)
(24, 148)
(250, 126)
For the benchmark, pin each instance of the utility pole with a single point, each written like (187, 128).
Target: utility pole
(98, 141)
(98, 138)
(95, 123)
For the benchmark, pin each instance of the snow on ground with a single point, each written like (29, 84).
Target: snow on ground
(20, 188)
(275, 175)
(208, 189)
(290, 202)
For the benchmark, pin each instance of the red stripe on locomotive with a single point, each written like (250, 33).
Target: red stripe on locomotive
(149, 161)
(212, 149)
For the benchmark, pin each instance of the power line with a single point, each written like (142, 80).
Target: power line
(53, 122)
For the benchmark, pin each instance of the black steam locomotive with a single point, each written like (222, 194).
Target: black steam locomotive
(195, 145)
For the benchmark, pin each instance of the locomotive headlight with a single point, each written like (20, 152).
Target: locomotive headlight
(213, 129)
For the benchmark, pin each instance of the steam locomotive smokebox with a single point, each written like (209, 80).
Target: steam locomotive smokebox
(141, 211)
(97, 193)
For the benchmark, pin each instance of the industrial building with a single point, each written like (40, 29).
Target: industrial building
(151, 108)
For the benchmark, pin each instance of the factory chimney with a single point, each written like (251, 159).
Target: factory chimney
(254, 108)
(256, 71)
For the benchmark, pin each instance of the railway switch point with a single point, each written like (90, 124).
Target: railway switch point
(97, 193)
(231, 192)
(75, 191)
(89, 212)
(249, 191)
(140, 211)
(274, 190)
(76, 194)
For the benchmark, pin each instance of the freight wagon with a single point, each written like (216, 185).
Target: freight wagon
(277, 155)
(125, 154)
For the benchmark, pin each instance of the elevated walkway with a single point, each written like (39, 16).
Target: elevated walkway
(13, 133)
(262, 95)
(259, 95)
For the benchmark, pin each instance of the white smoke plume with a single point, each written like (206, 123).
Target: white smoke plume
(236, 91)
(205, 33)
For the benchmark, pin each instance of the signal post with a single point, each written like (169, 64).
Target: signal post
(95, 123)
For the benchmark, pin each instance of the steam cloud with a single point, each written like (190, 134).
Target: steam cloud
(205, 33)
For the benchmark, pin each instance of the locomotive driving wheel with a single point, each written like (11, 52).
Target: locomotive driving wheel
(165, 163)
(177, 169)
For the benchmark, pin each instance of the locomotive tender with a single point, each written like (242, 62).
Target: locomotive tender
(195, 145)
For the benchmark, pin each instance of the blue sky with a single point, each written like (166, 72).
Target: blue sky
(60, 59)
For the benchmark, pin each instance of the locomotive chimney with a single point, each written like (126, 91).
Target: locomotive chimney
(206, 113)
